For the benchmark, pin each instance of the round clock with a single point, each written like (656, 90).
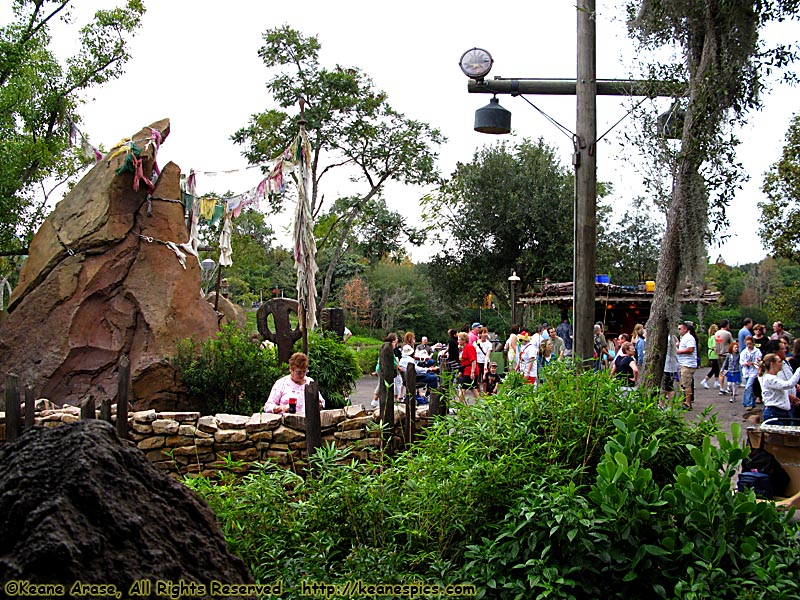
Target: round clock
(476, 63)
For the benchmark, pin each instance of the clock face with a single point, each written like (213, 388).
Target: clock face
(476, 63)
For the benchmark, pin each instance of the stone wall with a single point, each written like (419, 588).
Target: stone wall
(182, 443)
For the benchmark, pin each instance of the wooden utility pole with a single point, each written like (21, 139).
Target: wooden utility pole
(585, 161)
(584, 158)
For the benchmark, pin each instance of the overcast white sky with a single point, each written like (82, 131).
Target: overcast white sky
(195, 62)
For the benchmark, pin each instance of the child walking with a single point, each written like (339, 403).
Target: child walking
(732, 370)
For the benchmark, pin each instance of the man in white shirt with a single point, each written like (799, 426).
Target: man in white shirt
(687, 361)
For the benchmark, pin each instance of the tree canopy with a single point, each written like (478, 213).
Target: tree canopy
(40, 97)
(724, 65)
(780, 212)
(636, 239)
(350, 124)
(510, 208)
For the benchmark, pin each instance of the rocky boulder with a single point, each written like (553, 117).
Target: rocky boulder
(80, 505)
(231, 313)
(101, 281)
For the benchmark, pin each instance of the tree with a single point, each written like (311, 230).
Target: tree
(635, 242)
(508, 209)
(39, 98)
(258, 265)
(356, 301)
(721, 58)
(349, 124)
(780, 212)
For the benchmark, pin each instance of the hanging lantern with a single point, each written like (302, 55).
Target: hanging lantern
(670, 123)
(493, 118)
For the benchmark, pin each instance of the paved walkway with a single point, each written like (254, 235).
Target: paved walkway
(727, 412)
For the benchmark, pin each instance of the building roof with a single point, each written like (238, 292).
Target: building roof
(561, 293)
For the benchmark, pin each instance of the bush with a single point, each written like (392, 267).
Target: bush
(333, 366)
(230, 373)
(627, 537)
(568, 490)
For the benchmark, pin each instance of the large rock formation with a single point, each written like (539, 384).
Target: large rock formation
(79, 505)
(101, 282)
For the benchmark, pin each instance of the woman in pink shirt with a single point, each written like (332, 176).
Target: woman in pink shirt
(288, 395)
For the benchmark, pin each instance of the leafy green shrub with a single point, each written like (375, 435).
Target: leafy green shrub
(568, 490)
(333, 366)
(627, 537)
(229, 373)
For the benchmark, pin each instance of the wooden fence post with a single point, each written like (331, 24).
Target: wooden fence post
(87, 408)
(123, 389)
(386, 392)
(30, 407)
(411, 403)
(437, 404)
(313, 427)
(105, 409)
(12, 407)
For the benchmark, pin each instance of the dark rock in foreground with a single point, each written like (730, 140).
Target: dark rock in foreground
(79, 505)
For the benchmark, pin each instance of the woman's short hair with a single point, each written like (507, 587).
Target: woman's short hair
(298, 361)
(463, 336)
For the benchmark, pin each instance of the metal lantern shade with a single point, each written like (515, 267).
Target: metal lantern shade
(670, 123)
(493, 118)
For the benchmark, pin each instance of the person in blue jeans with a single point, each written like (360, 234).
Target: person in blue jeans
(749, 359)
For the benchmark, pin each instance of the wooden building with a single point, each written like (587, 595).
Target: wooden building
(619, 307)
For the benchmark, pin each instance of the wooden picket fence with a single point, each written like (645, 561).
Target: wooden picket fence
(15, 424)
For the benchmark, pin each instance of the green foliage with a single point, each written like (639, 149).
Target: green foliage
(510, 208)
(259, 265)
(40, 93)
(636, 241)
(229, 373)
(626, 536)
(367, 358)
(780, 212)
(264, 533)
(402, 299)
(333, 366)
(568, 490)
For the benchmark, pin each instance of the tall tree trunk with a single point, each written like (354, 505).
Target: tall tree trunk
(326, 286)
(683, 236)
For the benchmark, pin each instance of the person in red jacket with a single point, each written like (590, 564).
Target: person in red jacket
(468, 360)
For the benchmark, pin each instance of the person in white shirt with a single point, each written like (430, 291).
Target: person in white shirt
(774, 389)
(527, 359)
(536, 339)
(483, 348)
(288, 394)
(749, 359)
(687, 361)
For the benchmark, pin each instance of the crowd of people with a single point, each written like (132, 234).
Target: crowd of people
(766, 368)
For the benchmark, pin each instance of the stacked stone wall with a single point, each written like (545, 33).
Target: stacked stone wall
(182, 443)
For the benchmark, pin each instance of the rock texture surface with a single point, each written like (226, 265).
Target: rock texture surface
(100, 282)
(79, 505)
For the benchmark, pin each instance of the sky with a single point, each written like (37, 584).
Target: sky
(195, 62)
